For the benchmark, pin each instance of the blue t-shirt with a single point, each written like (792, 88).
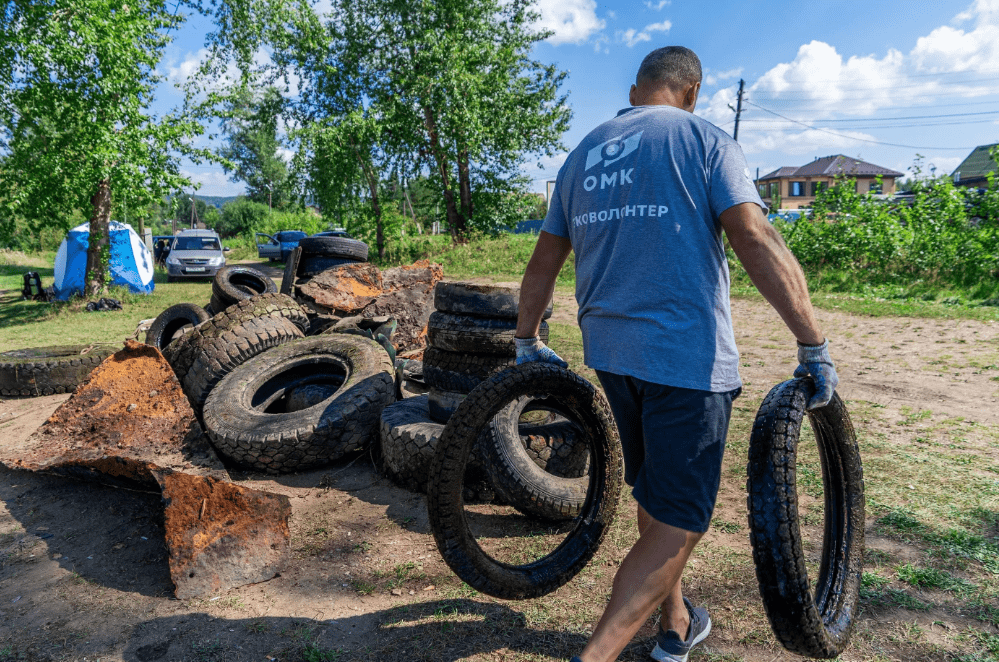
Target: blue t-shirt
(640, 200)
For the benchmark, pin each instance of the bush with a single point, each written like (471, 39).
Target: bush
(241, 217)
(932, 239)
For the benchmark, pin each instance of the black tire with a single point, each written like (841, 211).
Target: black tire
(465, 298)
(36, 371)
(334, 247)
(181, 353)
(442, 404)
(407, 442)
(218, 354)
(243, 414)
(460, 372)
(821, 627)
(517, 458)
(208, 309)
(237, 282)
(482, 335)
(577, 400)
(408, 438)
(172, 320)
(312, 265)
(291, 272)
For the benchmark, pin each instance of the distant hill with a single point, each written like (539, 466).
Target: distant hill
(216, 200)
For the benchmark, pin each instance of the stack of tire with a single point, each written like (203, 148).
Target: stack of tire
(314, 255)
(268, 397)
(232, 284)
(537, 465)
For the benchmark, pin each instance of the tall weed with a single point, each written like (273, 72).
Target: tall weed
(943, 238)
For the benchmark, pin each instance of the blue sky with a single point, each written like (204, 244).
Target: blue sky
(846, 76)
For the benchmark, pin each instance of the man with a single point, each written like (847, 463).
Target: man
(643, 201)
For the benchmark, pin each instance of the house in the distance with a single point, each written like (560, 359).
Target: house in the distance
(796, 186)
(973, 170)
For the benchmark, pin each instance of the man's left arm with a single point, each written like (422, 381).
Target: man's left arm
(779, 278)
(536, 291)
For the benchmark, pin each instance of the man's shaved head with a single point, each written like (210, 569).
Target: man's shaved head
(673, 66)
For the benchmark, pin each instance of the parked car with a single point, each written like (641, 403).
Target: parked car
(195, 254)
(335, 232)
(280, 245)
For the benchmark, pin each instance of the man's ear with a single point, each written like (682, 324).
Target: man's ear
(632, 94)
(690, 98)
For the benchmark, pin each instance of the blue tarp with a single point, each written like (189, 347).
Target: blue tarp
(130, 263)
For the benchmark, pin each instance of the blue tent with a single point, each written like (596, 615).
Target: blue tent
(131, 264)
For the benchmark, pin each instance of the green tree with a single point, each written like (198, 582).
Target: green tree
(445, 90)
(454, 83)
(242, 216)
(252, 143)
(181, 206)
(76, 81)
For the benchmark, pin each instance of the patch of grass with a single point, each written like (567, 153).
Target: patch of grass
(362, 587)
(869, 580)
(895, 598)
(988, 648)
(725, 527)
(901, 522)
(969, 545)
(931, 578)
(317, 653)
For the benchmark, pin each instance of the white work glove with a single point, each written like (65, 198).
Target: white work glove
(814, 360)
(532, 349)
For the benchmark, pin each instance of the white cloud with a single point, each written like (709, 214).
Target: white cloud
(657, 6)
(179, 73)
(711, 78)
(572, 21)
(631, 37)
(213, 182)
(822, 83)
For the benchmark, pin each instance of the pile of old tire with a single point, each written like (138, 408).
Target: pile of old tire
(175, 320)
(536, 465)
(202, 357)
(314, 255)
(470, 336)
(302, 404)
(815, 622)
(37, 371)
(410, 428)
(237, 282)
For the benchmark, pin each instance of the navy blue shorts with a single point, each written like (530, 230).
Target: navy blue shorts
(673, 440)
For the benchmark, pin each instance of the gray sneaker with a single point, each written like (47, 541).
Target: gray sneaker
(671, 648)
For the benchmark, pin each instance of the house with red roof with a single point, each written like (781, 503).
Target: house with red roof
(794, 187)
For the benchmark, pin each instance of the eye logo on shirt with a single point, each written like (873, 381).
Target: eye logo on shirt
(613, 150)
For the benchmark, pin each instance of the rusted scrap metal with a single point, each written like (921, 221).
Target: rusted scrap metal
(222, 535)
(345, 289)
(130, 425)
(409, 298)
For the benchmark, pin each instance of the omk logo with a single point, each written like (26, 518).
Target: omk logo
(611, 152)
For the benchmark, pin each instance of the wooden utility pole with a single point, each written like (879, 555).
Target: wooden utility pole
(738, 109)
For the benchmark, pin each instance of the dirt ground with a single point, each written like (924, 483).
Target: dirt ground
(83, 573)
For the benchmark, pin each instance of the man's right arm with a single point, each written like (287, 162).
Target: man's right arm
(536, 291)
(772, 268)
(779, 278)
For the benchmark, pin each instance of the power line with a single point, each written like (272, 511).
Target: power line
(893, 126)
(913, 117)
(935, 105)
(840, 135)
